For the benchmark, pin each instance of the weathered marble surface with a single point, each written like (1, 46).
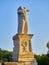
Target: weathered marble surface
(23, 48)
(22, 20)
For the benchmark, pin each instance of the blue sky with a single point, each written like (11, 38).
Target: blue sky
(38, 23)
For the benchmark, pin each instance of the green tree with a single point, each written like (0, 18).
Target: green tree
(5, 56)
(43, 61)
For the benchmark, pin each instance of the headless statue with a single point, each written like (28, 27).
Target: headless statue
(22, 20)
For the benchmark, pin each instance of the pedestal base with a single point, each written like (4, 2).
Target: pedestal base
(18, 63)
(22, 48)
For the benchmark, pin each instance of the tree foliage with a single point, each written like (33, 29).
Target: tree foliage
(42, 60)
(5, 55)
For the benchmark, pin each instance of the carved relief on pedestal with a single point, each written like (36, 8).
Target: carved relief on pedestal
(24, 45)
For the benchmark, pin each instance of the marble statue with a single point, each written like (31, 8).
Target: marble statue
(22, 20)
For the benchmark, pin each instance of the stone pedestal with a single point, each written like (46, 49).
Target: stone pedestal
(22, 48)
